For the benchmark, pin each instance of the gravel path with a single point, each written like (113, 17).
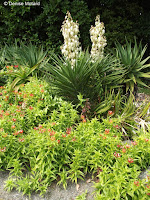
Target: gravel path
(54, 192)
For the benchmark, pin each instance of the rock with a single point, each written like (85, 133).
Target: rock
(54, 192)
(144, 173)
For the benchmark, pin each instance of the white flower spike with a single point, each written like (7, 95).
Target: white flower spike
(70, 31)
(98, 39)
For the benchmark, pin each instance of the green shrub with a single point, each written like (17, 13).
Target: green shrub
(47, 144)
(31, 105)
(133, 63)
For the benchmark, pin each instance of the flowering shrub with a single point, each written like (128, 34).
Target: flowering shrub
(31, 105)
(51, 151)
(98, 39)
(122, 179)
(70, 31)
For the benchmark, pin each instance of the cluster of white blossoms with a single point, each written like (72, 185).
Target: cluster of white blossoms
(71, 47)
(98, 39)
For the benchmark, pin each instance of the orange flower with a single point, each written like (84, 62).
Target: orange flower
(7, 113)
(30, 107)
(84, 120)
(63, 135)
(130, 160)
(13, 126)
(117, 155)
(74, 139)
(3, 149)
(43, 130)
(53, 138)
(106, 131)
(52, 133)
(21, 131)
(21, 139)
(40, 126)
(136, 183)
(82, 117)
(134, 143)
(123, 150)
(127, 146)
(16, 133)
(110, 112)
(42, 90)
(68, 131)
(146, 139)
(25, 95)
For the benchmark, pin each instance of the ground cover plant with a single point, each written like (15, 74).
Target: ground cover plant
(75, 120)
(40, 144)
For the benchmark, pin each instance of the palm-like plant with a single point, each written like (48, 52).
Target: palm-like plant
(28, 58)
(19, 76)
(24, 55)
(110, 72)
(86, 77)
(132, 60)
(70, 81)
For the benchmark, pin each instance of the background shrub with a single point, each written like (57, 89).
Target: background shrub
(41, 24)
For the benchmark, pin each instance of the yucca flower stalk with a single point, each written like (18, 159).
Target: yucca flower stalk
(98, 39)
(70, 31)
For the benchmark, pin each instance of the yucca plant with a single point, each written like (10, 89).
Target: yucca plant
(110, 72)
(86, 77)
(132, 60)
(70, 81)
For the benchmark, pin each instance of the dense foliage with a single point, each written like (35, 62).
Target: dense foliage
(63, 116)
(41, 24)
(41, 141)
